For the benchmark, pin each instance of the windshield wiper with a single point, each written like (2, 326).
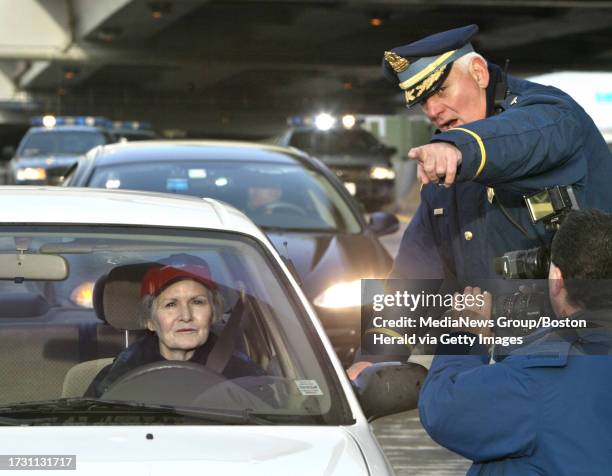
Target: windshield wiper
(92, 406)
(8, 421)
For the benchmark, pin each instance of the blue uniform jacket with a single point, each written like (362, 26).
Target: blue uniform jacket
(541, 411)
(543, 138)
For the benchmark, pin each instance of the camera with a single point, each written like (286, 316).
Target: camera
(521, 307)
(549, 206)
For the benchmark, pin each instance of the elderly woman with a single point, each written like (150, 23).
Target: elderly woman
(181, 302)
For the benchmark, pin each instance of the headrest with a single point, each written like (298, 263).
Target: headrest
(121, 301)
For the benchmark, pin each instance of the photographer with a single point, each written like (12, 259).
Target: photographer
(545, 408)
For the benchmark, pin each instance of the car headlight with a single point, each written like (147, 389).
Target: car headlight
(382, 173)
(340, 295)
(31, 173)
(82, 295)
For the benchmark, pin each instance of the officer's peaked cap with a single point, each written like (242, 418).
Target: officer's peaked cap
(421, 67)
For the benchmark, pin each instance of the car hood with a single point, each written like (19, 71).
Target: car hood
(323, 259)
(226, 450)
(48, 161)
(353, 160)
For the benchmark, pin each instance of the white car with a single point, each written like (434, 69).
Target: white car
(292, 410)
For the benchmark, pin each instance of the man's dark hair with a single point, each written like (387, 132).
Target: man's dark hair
(582, 250)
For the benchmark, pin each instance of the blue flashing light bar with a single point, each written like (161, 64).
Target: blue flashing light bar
(132, 125)
(52, 121)
(299, 121)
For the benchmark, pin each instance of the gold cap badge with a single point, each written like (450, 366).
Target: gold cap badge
(398, 63)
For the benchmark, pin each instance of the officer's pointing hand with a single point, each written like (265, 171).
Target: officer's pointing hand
(436, 161)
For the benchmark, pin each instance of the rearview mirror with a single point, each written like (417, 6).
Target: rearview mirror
(22, 266)
(387, 388)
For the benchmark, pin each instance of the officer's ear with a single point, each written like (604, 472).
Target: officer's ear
(555, 280)
(479, 72)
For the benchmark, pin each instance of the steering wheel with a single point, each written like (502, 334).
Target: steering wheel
(170, 382)
(184, 384)
(285, 207)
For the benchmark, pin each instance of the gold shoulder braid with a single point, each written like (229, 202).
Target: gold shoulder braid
(398, 63)
(413, 93)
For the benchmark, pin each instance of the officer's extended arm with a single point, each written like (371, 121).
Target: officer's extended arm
(536, 137)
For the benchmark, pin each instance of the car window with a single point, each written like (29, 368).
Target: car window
(285, 196)
(335, 141)
(56, 142)
(47, 327)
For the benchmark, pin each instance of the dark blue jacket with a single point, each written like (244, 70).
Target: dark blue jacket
(543, 138)
(541, 411)
(145, 350)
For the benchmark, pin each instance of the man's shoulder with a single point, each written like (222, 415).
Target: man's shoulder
(523, 91)
(552, 347)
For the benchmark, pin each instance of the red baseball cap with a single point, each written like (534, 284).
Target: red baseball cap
(173, 269)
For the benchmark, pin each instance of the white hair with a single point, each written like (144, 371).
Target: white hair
(465, 61)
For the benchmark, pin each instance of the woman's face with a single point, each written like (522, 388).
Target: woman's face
(181, 317)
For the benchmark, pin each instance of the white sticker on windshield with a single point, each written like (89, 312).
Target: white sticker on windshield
(197, 173)
(308, 387)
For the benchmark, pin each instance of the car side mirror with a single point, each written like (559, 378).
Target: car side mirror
(387, 388)
(383, 223)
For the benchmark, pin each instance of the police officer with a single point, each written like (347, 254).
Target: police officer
(544, 409)
(498, 138)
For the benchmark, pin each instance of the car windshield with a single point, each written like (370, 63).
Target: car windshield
(57, 142)
(335, 141)
(260, 362)
(280, 196)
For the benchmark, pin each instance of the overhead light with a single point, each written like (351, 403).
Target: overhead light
(324, 121)
(160, 9)
(376, 21)
(70, 73)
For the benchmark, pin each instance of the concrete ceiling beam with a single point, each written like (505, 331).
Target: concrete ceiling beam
(526, 33)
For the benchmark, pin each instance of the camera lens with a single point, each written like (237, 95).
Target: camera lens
(524, 264)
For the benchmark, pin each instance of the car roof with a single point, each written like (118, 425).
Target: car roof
(157, 150)
(58, 205)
